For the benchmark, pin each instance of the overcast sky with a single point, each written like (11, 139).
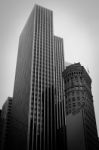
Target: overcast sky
(77, 21)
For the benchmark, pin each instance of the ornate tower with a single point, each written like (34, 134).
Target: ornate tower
(81, 123)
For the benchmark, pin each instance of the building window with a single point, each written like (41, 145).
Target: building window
(79, 103)
(78, 98)
(73, 99)
(72, 93)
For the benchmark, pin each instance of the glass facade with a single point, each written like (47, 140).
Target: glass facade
(60, 115)
(37, 116)
(38, 105)
(41, 108)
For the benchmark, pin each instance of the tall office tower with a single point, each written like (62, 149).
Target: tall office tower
(6, 120)
(59, 94)
(33, 126)
(81, 123)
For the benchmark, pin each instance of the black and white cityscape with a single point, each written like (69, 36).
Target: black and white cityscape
(52, 107)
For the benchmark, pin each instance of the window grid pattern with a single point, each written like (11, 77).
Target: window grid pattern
(42, 95)
(59, 84)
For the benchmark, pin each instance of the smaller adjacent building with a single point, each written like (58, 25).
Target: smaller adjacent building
(5, 118)
(81, 123)
(0, 128)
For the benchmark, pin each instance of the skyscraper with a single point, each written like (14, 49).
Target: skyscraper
(60, 115)
(81, 123)
(41, 108)
(33, 125)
